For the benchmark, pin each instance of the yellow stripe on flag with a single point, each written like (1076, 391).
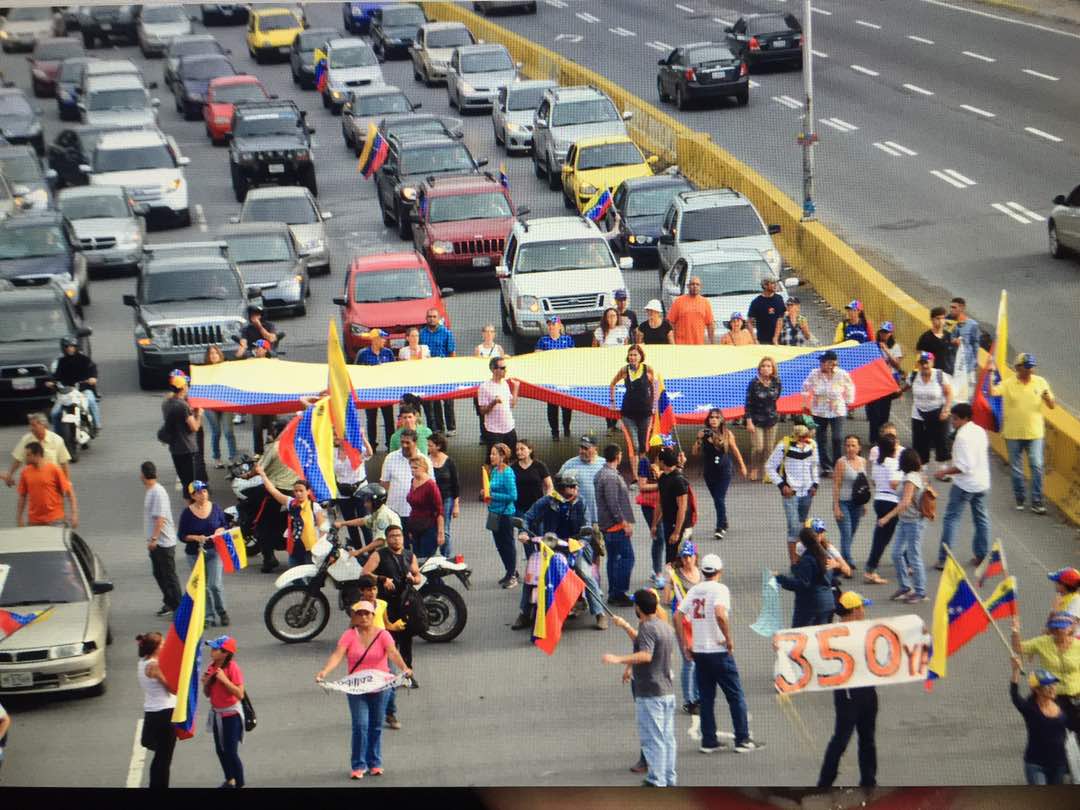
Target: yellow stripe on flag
(339, 382)
(368, 144)
(196, 589)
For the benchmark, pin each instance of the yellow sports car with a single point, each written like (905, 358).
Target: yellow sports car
(271, 32)
(601, 162)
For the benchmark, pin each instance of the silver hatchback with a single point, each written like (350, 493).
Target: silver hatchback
(512, 116)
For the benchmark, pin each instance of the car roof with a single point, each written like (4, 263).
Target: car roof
(410, 141)
(710, 198)
(179, 40)
(74, 192)
(578, 92)
(723, 256)
(131, 138)
(115, 81)
(53, 41)
(279, 192)
(443, 26)
(347, 42)
(386, 261)
(271, 106)
(33, 539)
(461, 184)
(545, 229)
(17, 149)
(173, 264)
(192, 58)
(102, 66)
(12, 91)
(657, 181)
(481, 47)
(51, 292)
(272, 11)
(601, 140)
(237, 228)
(31, 219)
(377, 90)
(531, 84)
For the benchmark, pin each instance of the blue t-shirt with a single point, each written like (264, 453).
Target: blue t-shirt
(190, 523)
(545, 343)
(968, 332)
(366, 357)
(439, 342)
(856, 332)
(585, 472)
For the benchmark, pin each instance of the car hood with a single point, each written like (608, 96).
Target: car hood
(440, 54)
(199, 86)
(391, 313)
(260, 273)
(522, 117)
(65, 624)
(144, 178)
(757, 243)
(611, 177)
(167, 30)
(575, 132)
(15, 126)
(372, 75)
(646, 225)
(495, 228)
(569, 282)
(193, 312)
(308, 233)
(490, 81)
(35, 266)
(277, 39)
(402, 32)
(269, 143)
(145, 117)
(106, 226)
(21, 27)
(28, 352)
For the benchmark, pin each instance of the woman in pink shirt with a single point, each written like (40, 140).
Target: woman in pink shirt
(223, 683)
(364, 646)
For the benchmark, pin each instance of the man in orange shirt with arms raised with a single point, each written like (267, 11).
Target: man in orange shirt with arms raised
(692, 316)
(44, 486)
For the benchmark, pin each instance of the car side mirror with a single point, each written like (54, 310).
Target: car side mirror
(540, 123)
(791, 281)
(84, 332)
(311, 130)
(85, 168)
(152, 86)
(416, 105)
(274, 96)
(234, 220)
(1059, 199)
(446, 292)
(626, 263)
(129, 300)
(51, 176)
(101, 586)
(652, 160)
(519, 65)
(81, 107)
(502, 271)
(327, 215)
(774, 229)
(661, 61)
(523, 210)
(666, 239)
(626, 116)
(482, 162)
(340, 300)
(183, 161)
(253, 292)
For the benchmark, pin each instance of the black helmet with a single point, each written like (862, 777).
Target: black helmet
(279, 425)
(376, 492)
(254, 306)
(565, 480)
(68, 341)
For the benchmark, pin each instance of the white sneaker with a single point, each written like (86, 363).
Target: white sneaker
(694, 732)
(748, 746)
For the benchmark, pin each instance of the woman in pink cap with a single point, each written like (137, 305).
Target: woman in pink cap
(855, 325)
(223, 683)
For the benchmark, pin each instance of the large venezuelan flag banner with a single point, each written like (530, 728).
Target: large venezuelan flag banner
(696, 378)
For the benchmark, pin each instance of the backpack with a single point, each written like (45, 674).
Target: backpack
(860, 490)
(928, 503)
(411, 602)
(164, 435)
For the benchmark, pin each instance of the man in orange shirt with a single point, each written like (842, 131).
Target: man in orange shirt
(44, 486)
(692, 316)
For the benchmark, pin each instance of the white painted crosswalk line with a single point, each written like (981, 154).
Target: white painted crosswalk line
(953, 178)
(556, 3)
(864, 70)
(754, 84)
(622, 32)
(587, 17)
(681, 7)
(967, 181)
(1010, 213)
(788, 102)
(837, 123)
(1026, 211)
(888, 150)
(902, 149)
(660, 46)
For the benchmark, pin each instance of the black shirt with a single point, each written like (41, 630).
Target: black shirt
(940, 347)
(671, 485)
(717, 460)
(761, 402)
(631, 316)
(447, 479)
(74, 368)
(657, 334)
(1046, 735)
(530, 483)
(394, 567)
(251, 332)
(175, 411)
(765, 312)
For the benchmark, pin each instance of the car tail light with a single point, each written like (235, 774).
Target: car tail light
(754, 44)
(743, 69)
(690, 76)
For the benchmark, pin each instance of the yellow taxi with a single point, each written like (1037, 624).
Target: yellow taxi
(601, 162)
(271, 31)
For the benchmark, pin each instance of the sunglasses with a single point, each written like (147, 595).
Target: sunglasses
(500, 368)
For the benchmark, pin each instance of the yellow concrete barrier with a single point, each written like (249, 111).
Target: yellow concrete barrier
(830, 265)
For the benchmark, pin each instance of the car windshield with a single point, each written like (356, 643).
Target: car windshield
(460, 207)
(139, 158)
(428, 125)
(277, 22)
(449, 38)
(576, 254)
(246, 91)
(451, 157)
(163, 14)
(290, 210)
(609, 154)
(313, 38)
(402, 17)
(722, 222)
(593, 111)
(55, 51)
(407, 284)
(486, 62)
(41, 577)
(16, 105)
(261, 247)
(650, 202)
(353, 56)
(200, 69)
(98, 206)
(382, 104)
(183, 285)
(705, 56)
(133, 98)
(35, 240)
(528, 98)
(71, 70)
(283, 122)
(193, 47)
(29, 14)
(773, 24)
(31, 320)
(20, 169)
(732, 278)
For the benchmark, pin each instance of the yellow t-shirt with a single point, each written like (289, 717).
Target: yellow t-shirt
(53, 445)
(380, 618)
(1023, 407)
(1064, 665)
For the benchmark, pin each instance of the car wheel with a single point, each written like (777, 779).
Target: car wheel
(148, 379)
(300, 310)
(349, 143)
(177, 103)
(504, 321)
(450, 96)
(108, 635)
(416, 74)
(554, 177)
(311, 184)
(239, 187)
(325, 100)
(428, 81)
(205, 20)
(1056, 249)
(388, 220)
(183, 219)
(531, 8)
(539, 172)
(295, 75)
(495, 132)
(88, 41)
(680, 98)
(660, 90)
(743, 98)
(568, 203)
(404, 227)
(96, 691)
(84, 296)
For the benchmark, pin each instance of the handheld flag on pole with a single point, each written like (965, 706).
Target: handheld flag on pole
(232, 550)
(663, 423)
(306, 446)
(12, 622)
(301, 525)
(558, 589)
(988, 410)
(485, 483)
(322, 75)
(598, 206)
(1002, 602)
(958, 617)
(993, 564)
(179, 656)
(343, 410)
(504, 178)
(374, 153)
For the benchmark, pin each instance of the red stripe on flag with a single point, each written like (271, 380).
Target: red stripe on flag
(966, 626)
(566, 596)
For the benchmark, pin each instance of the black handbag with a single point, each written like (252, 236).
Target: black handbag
(250, 721)
(860, 490)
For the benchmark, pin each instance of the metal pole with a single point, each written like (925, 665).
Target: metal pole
(808, 136)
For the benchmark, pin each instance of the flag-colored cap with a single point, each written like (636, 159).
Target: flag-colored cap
(736, 316)
(1025, 359)
(1069, 577)
(378, 333)
(856, 305)
(197, 486)
(1041, 677)
(587, 441)
(654, 306)
(828, 355)
(817, 524)
(1060, 621)
(262, 343)
(687, 549)
(849, 600)
(711, 564)
(553, 319)
(226, 643)
(926, 357)
(622, 295)
(363, 606)
(178, 379)
(887, 326)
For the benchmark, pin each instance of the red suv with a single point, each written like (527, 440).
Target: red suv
(389, 291)
(221, 95)
(460, 225)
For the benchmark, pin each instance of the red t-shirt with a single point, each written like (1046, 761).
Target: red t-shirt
(45, 487)
(375, 657)
(220, 697)
(426, 503)
(690, 316)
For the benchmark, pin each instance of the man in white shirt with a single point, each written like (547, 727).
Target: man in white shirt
(396, 475)
(495, 399)
(55, 449)
(970, 468)
(707, 605)
(160, 538)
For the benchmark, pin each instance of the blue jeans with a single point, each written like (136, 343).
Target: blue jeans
(448, 508)
(657, 549)
(1034, 450)
(505, 544)
(426, 542)
(656, 729)
(688, 679)
(850, 515)
(718, 669)
(91, 405)
(718, 486)
(620, 563)
(215, 576)
(227, 747)
(835, 425)
(300, 555)
(583, 568)
(367, 721)
(796, 511)
(221, 422)
(1038, 775)
(953, 512)
(907, 551)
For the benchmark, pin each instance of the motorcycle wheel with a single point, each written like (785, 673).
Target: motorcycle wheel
(293, 615)
(71, 439)
(446, 613)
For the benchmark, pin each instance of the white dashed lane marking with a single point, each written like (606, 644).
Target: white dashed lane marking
(587, 17)
(788, 102)
(837, 123)
(1024, 216)
(914, 88)
(1041, 134)
(895, 149)
(622, 32)
(556, 3)
(978, 111)
(923, 40)
(660, 46)
(681, 7)
(866, 24)
(979, 56)
(953, 178)
(1038, 75)
(819, 54)
(820, 11)
(864, 70)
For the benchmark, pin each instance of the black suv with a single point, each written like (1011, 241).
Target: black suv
(36, 249)
(107, 23)
(393, 29)
(270, 143)
(33, 320)
(408, 162)
(188, 296)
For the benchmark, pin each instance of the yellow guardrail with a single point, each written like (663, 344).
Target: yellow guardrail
(831, 266)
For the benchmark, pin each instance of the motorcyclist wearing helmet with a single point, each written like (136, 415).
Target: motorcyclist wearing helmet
(76, 369)
(254, 330)
(378, 519)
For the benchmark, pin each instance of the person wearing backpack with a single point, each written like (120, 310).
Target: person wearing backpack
(931, 401)
(793, 467)
(851, 493)
(911, 519)
(396, 570)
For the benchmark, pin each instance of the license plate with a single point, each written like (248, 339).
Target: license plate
(276, 168)
(397, 343)
(17, 680)
(779, 43)
(575, 328)
(481, 261)
(106, 26)
(24, 384)
(69, 417)
(283, 50)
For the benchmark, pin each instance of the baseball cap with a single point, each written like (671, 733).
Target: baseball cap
(687, 549)
(736, 316)
(1069, 577)
(711, 564)
(553, 319)
(1060, 621)
(262, 343)
(653, 306)
(887, 326)
(818, 525)
(378, 333)
(1040, 677)
(769, 280)
(226, 643)
(363, 605)
(806, 421)
(855, 304)
(587, 441)
(621, 295)
(828, 355)
(849, 600)
(1025, 359)
(926, 357)
(197, 486)
(179, 379)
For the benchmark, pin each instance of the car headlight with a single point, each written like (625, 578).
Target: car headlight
(516, 127)
(247, 157)
(337, 95)
(442, 248)
(357, 329)
(221, 119)
(39, 73)
(3, 34)
(35, 128)
(588, 189)
(129, 241)
(174, 185)
(72, 650)
(159, 334)
(528, 302)
(313, 246)
(772, 257)
(408, 193)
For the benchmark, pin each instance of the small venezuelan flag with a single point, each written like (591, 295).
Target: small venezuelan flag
(11, 622)
(1002, 602)
(993, 564)
(374, 153)
(598, 206)
(230, 547)
(558, 589)
(504, 178)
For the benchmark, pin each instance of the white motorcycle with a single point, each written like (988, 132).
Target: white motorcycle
(77, 428)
